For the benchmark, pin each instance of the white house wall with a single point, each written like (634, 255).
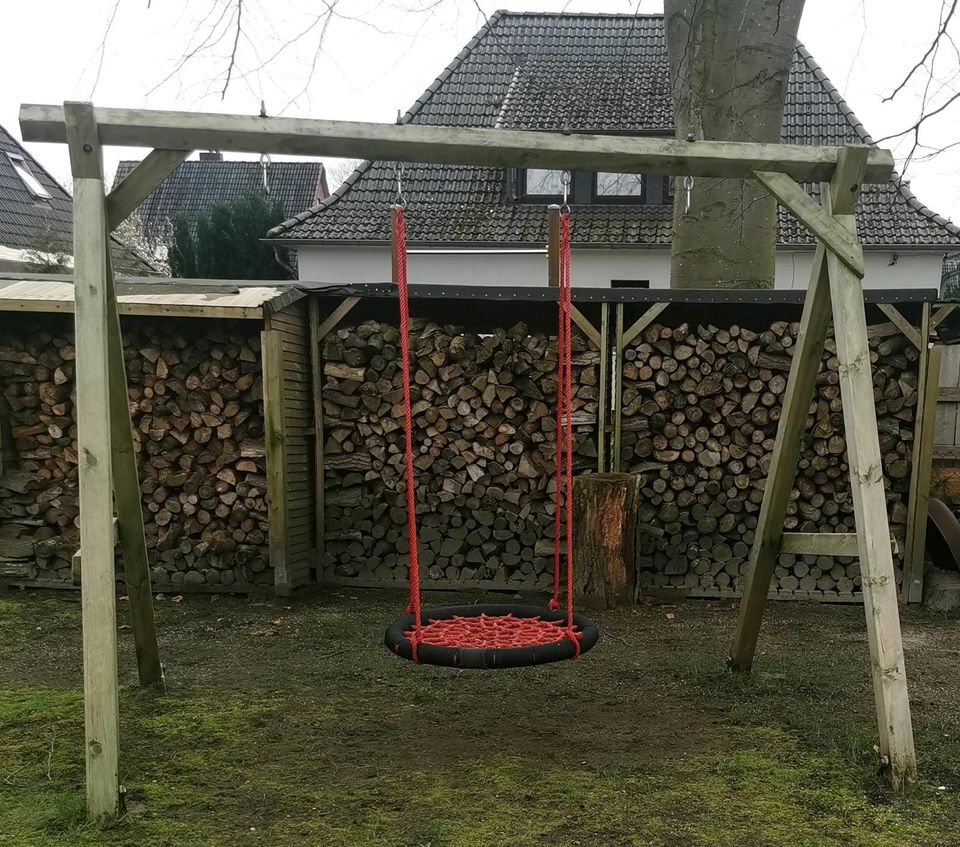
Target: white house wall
(594, 268)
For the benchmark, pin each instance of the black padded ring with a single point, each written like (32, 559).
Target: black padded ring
(491, 658)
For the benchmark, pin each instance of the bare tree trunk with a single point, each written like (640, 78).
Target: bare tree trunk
(729, 63)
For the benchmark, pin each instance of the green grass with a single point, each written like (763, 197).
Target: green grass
(289, 740)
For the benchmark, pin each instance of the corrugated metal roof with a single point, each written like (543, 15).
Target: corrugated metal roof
(145, 296)
(589, 72)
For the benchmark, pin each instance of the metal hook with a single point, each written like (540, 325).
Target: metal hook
(566, 178)
(265, 162)
(398, 173)
(688, 186)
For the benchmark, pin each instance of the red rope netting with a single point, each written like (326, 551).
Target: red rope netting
(488, 631)
(491, 631)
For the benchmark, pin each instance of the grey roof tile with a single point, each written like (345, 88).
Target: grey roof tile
(196, 185)
(583, 72)
(25, 219)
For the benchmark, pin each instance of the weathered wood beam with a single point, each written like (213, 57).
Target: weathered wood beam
(912, 334)
(319, 491)
(553, 246)
(589, 330)
(921, 465)
(155, 167)
(604, 409)
(823, 543)
(337, 315)
(126, 492)
(941, 315)
(641, 323)
(275, 438)
(617, 389)
(814, 218)
(873, 529)
(804, 366)
(98, 593)
(449, 145)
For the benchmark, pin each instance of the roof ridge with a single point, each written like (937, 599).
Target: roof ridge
(624, 15)
(855, 123)
(411, 113)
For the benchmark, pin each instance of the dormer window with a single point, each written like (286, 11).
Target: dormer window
(618, 188)
(30, 182)
(539, 183)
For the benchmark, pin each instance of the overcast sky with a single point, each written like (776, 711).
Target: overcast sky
(377, 57)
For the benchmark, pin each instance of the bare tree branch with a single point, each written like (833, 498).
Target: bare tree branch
(233, 52)
(941, 32)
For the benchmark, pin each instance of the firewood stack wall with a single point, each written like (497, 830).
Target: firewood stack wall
(484, 425)
(195, 392)
(700, 411)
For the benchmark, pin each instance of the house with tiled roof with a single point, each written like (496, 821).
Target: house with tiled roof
(198, 184)
(587, 73)
(36, 218)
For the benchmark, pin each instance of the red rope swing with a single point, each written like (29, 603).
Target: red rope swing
(502, 630)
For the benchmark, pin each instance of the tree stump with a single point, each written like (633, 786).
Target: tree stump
(604, 523)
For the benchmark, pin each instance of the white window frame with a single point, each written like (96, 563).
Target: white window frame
(27, 177)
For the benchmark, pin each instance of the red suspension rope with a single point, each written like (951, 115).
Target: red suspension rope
(563, 500)
(400, 274)
(563, 496)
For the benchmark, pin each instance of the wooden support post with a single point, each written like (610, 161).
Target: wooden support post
(273, 413)
(316, 367)
(828, 232)
(617, 388)
(604, 411)
(908, 329)
(553, 246)
(604, 523)
(918, 496)
(786, 451)
(94, 453)
(337, 315)
(840, 288)
(126, 489)
(137, 185)
(588, 329)
(873, 529)
(641, 323)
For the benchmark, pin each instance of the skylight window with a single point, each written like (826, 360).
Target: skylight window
(31, 183)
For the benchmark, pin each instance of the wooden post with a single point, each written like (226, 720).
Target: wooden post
(617, 388)
(126, 489)
(928, 388)
(604, 411)
(273, 413)
(553, 246)
(316, 366)
(604, 523)
(94, 453)
(786, 451)
(873, 529)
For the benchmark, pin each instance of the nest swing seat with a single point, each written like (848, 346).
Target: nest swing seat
(500, 635)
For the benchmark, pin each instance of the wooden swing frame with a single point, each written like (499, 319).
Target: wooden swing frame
(107, 460)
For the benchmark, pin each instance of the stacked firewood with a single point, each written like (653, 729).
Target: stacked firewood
(700, 411)
(195, 397)
(484, 426)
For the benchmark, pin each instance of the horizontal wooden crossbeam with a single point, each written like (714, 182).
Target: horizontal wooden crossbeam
(824, 544)
(449, 145)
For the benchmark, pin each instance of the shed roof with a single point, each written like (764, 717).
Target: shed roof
(580, 72)
(146, 296)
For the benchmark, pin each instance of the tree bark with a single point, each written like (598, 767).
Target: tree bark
(604, 522)
(729, 65)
